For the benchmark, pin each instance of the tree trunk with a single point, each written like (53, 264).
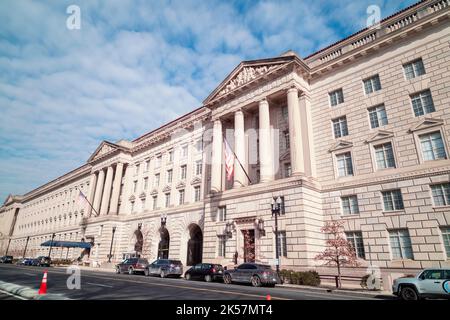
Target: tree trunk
(339, 273)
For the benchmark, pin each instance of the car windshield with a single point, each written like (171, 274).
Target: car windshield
(264, 267)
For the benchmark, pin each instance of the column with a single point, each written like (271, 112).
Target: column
(295, 132)
(307, 132)
(98, 190)
(240, 178)
(107, 191)
(90, 196)
(216, 165)
(265, 143)
(116, 189)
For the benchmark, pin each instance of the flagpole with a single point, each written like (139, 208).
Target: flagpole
(85, 198)
(242, 167)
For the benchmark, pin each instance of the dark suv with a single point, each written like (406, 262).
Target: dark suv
(254, 273)
(204, 271)
(132, 265)
(43, 261)
(6, 259)
(165, 268)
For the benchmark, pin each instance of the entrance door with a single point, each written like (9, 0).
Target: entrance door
(163, 247)
(249, 245)
(195, 246)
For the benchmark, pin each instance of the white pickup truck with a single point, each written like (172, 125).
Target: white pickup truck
(429, 283)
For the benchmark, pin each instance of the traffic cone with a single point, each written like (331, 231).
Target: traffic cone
(43, 288)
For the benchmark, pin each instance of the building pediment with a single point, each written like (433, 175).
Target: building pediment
(132, 198)
(154, 192)
(426, 123)
(380, 135)
(181, 185)
(142, 196)
(166, 189)
(341, 144)
(196, 180)
(104, 149)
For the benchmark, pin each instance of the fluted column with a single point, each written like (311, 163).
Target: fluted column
(240, 179)
(107, 191)
(295, 133)
(99, 190)
(116, 189)
(307, 135)
(265, 143)
(90, 196)
(216, 165)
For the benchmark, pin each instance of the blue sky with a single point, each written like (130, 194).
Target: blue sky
(133, 66)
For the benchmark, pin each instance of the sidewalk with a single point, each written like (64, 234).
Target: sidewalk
(341, 290)
(100, 269)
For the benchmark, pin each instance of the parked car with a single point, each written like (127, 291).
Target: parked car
(132, 265)
(6, 259)
(429, 283)
(204, 271)
(254, 273)
(26, 262)
(42, 261)
(165, 268)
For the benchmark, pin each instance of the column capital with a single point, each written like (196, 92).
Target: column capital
(263, 101)
(292, 88)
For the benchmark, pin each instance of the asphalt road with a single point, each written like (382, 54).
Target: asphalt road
(104, 285)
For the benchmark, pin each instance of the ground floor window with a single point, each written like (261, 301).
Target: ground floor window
(400, 244)
(222, 245)
(282, 246)
(446, 236)
(356, 239)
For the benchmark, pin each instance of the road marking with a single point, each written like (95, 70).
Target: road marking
(99, 285)
(12, 295)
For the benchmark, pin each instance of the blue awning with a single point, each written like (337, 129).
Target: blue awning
(66, 244)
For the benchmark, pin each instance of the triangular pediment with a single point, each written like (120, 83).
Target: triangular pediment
(380, 135)
(154, 192)
(105, 148)
(248, 72)
(196, 180)
(427, 123)
(8, 200)
(166, 189)
(341, 144)
(181, 185)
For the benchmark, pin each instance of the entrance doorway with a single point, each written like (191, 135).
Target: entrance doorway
(164, 242)
(195, 245)
(249, 245)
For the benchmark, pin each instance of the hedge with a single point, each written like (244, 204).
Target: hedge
(307, 278)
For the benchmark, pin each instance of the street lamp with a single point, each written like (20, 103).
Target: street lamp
(51, 245)
(163, 219)
(260, 226)
(277, 209)
(26, 245)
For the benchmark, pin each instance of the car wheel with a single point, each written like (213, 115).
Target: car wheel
(256, 281)
(130, 271)
(146, 272)
(187, 276)
(162, 274)
(227, 279)
(208, 278)
(118, 270)
(408, 293)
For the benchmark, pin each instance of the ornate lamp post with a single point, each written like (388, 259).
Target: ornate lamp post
(163, 219)
(277, 209)
(112, 240)
(26, 245)
(51, 245)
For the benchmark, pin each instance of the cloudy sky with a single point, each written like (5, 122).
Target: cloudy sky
(133, 66)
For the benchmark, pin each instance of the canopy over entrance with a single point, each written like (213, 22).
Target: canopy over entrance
(67, 244)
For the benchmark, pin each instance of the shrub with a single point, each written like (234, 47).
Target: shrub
(307, 278)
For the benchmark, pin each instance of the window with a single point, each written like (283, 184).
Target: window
(169, 176)
(282, 246)
(350, 205)
(336, 97)
(222, 213)
(158, 161)
(414, 69)
(197, 193)
(199, 145)
(432, 146)
(143, 204)
(287, 170)
(377, 116)
(422, 103)
(392, 200)
(198, 167)
(170, 156)
(135, 186)
(340, 127)
(167, 203)
(441, 194)
(181, 197)
(344, 164)
(446, 235)
(136, 169)
(183, 172)
(184, 151)
(155, 202)
(285, 113)
(132, 206)
(222, 245)
(145, 183)
(287, 141)
(147, 165)
(156, 181)
(384, 156)
(400, 244)
(356, 240)
(372, 84)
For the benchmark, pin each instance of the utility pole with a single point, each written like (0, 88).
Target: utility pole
(26, 245)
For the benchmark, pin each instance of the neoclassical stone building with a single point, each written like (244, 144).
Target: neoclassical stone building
(357, 132)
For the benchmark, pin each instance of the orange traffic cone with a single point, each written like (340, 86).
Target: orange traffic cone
(43, 288)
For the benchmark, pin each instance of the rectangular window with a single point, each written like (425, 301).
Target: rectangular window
(422, 103)
(158, 161)
(287, 170)
(350, 205)
(282, 246)
(145, 183)
(392, 200)
(384, 156)
(336, 97)
(169, 176)
(147, 165)
(340, 127)
(170, 156)
(136, 169)
(183, 172)
(198, 167)
(441, 194)
(356, 240)
(344, 164)
(181, 197)
(199, 145)
(167, 203)
(284, 113)
(222, 213)
(400, 244)
(156, 181)
(287, 141)
(414, 69)
(377, 116)
(222, 245)
(132, 206)
(432, 146)
(184, 151)
(197, 193)
(372, 84)
(155, 202)
(446, 235)
(135, 186)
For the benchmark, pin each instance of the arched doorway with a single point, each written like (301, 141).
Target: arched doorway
(139, 243)
(195, 245)
(164, 242)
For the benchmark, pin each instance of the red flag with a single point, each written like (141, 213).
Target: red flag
(229, 161)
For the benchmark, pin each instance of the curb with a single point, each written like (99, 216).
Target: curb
(29, 293)
(348, 291)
